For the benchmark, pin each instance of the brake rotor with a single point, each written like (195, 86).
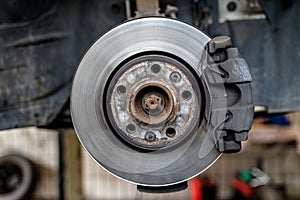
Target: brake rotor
(138, 104)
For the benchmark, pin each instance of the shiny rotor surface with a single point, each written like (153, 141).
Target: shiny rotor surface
(155, 168)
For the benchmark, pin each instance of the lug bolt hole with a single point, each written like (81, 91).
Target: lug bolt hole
(155, 68)
(170, 132)
(121, 89)
(186, 95)
(130, 128)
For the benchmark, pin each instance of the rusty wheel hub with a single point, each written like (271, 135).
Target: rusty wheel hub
(153, 102)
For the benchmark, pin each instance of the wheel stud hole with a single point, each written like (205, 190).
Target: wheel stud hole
(130, 128)
(121, 89)
(186, 95)
(155, 68)
(170, 132)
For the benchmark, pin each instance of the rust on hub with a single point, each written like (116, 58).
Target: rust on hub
(152, 103)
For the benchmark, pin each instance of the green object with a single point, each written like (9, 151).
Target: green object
(246, 176)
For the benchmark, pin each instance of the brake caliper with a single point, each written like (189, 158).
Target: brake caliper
(227, 80)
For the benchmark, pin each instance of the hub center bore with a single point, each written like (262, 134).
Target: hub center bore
(151, 103)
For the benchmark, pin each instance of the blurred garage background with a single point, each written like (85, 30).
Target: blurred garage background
(39, 53)
(273, 147)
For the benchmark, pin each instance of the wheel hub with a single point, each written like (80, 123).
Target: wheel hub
(151, 110)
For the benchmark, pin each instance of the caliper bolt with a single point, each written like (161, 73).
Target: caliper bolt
(150, 136)
(130, 128)
(175, 77)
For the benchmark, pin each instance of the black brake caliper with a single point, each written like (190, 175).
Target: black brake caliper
(228, 81)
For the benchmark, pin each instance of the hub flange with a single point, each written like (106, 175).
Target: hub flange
(152, 101)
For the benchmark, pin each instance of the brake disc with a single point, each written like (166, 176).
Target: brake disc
(142, 106)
